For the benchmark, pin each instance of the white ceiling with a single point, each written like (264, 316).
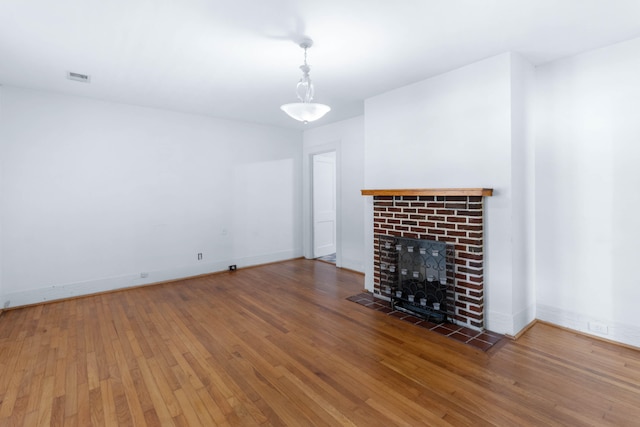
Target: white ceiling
(239, 59)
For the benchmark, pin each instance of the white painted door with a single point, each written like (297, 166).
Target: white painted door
(324, 204)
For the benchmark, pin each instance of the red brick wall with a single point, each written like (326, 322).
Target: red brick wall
(457, 220)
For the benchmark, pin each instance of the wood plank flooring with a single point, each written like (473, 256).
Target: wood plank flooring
(280, 345)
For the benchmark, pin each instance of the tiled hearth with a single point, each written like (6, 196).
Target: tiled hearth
(483, 340)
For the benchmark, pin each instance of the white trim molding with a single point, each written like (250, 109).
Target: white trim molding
(619, 332)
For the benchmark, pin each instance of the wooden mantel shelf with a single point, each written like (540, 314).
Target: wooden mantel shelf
(431, 192)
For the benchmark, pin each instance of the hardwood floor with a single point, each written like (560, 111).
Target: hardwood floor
(280, 345)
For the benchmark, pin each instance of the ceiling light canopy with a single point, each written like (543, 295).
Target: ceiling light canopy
(305, 111)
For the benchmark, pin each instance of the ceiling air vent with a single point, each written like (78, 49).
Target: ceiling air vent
(85, 78)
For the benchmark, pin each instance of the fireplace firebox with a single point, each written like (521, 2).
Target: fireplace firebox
(417, 276)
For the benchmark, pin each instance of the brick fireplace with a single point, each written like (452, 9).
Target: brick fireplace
(452, 216)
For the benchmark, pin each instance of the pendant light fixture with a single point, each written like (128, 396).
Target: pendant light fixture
(305, 111)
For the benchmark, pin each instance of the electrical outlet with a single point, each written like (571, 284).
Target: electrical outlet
(143, 275)
(200, 256)
(599, 328)
(232, 267)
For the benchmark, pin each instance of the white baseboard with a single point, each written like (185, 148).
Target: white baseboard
(499, 322)
(509, 324)
(619, 332)
(523, 319)
(70, 290)
(354, 265)
(264, 258)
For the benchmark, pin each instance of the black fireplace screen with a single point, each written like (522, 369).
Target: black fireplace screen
(417, 276)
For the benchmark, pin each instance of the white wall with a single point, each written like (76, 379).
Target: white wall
(587, 198)
(347, 139)
(455, 130)
(523, 192)
(1, 202)
(96, 193)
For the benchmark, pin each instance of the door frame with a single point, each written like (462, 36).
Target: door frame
(307, 197)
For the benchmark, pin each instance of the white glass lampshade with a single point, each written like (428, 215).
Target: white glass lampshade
(305, 111)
